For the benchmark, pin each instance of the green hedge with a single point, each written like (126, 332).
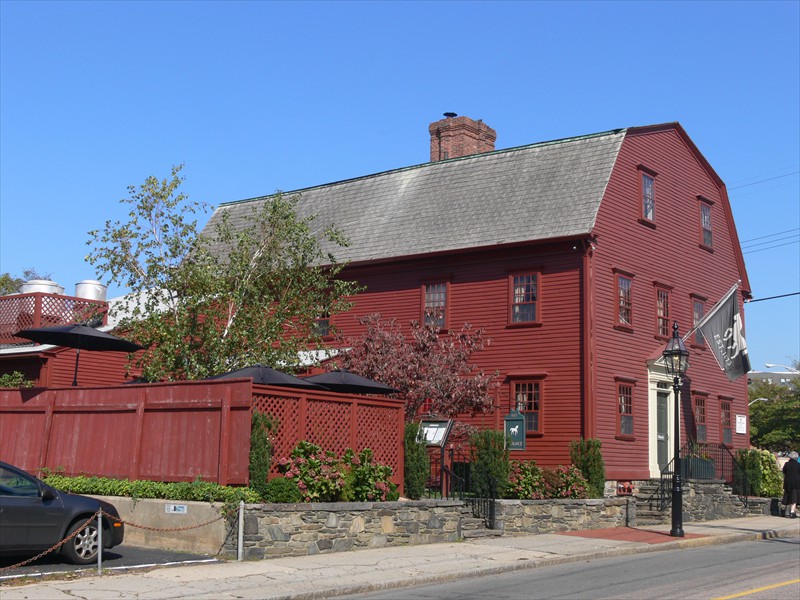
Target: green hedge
(201, 491)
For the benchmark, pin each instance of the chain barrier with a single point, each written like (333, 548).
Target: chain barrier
(49, 550)
(111, 518)
(120, 520)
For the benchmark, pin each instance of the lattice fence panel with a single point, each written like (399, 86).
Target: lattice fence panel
(328, 425)
(16, 312)
(284, 410)
(376, 427)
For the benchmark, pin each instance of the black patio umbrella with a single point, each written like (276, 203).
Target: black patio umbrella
(342, 380)
(268, 376)
(80, 337)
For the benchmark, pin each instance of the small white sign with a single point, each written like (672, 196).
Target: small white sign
(176, 509)
(741, 423)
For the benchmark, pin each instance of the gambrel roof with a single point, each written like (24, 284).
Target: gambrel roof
(538, 192)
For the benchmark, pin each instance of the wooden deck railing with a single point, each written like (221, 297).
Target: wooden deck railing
(37, 309)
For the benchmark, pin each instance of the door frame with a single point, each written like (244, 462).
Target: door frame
(657, 374)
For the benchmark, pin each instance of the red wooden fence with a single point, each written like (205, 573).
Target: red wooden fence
(182, 431)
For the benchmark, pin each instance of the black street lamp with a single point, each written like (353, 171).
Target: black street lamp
(676, 359)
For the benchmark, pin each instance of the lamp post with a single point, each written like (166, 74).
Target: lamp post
(676, 359)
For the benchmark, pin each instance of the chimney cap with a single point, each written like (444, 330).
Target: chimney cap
(450, 115)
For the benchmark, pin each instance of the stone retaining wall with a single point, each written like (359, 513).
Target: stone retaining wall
(550, 516)
(708, 500)
(275, 530)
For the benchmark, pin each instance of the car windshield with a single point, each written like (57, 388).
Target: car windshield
(13, 483)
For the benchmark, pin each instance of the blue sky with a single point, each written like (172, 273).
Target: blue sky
(259, 96)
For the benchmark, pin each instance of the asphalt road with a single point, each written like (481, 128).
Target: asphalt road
(118, 558)
(762, 570)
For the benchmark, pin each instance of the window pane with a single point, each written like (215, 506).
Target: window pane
(625, 393)
(705, 218)
(648, 198)
(527, 399)
(663, 313)
(435, 304)
(523, 307)
(624, 294)
(698, 312)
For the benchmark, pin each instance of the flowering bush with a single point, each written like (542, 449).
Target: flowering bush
(366, 481)
(322, 477)
(528, 482)
(525, 480)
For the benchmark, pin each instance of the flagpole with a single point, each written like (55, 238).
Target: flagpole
(717, 306)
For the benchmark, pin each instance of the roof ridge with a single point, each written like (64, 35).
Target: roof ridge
(428, 164)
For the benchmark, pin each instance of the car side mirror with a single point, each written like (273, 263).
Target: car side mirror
(47, 493)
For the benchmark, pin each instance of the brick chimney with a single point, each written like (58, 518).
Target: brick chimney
(456, 136)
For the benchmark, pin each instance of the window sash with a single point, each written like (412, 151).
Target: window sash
(662, 304)
(525, 293)
(624, 303)
(625, 396)
(698, 312)
(725, 423)
(648, 197)
(435, 304)
(705, 224)
(527, 396)
(700, 418)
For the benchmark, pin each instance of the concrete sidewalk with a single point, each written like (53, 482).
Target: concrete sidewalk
(327, 575)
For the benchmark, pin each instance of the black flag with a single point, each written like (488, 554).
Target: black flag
(722, 330)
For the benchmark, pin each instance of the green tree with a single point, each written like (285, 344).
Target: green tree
(774, 416)
(205, 304)
(9, 284)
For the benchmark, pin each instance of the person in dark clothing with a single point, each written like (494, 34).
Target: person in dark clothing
(791, 485)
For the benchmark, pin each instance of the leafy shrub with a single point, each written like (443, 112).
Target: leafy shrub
(322, 477)
(586, 456)
(201, 491)
(565, 482)
(366, 481)
(262, 430)
(763, 474)
(525, 480)
(417, 465)
(282, 490)
(490, 464)
(15, 379)
(528, 482)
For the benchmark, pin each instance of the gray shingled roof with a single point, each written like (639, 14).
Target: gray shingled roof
(537, 192)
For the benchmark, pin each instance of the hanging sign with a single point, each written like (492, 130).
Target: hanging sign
(514, 427)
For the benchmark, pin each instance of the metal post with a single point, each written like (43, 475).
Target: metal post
(677, 479)
(99, 541)
(240, 549)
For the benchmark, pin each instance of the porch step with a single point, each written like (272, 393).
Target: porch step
(472, 527)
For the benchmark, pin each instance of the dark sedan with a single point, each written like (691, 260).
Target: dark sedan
(34, 517)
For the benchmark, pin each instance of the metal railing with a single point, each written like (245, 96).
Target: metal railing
(453, 477)
(706, 461)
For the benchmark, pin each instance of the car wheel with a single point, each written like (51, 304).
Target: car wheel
(82, 548)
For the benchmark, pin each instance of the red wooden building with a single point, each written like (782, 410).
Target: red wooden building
(575, 256)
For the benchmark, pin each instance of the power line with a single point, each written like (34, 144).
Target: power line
(771, 235)
(770, 247)
(773, 297)
(763, 180)
(787, 237)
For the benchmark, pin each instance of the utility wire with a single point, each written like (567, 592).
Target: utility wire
(770, 235)
(770, 247)
(763, 180)
(773, 297)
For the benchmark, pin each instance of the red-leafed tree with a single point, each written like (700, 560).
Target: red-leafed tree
(431, 369)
